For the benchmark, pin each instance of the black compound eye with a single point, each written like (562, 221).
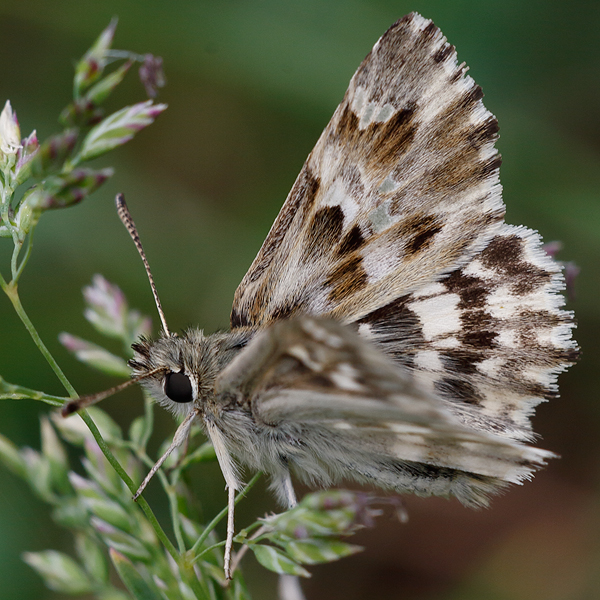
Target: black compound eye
(178, 388)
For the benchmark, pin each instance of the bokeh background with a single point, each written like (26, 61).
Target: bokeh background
(250, 87)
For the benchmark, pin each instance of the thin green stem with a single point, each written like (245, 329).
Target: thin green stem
(199, 587)
(25, 259)
(13, 295)
(222, 514)
(18, 392)
(14, 260)
(207, 550)
(172, 496)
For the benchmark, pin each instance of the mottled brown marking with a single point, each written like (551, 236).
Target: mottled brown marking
(473, 95)
(346, 279)
(352, 241)
(458, 389)
(323, 232)
(347, 125)
(421, 230)
(456, 175)
(484, 132)
(238, 318)
(430, 31)
(457, 75)
(285, 311)
(473, 291)
(389, 140)
(460, 361)
(505, 255)
(397, 329)
(381, 143)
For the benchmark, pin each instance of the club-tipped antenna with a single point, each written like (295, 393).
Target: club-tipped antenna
(125, 217)
(84, 401)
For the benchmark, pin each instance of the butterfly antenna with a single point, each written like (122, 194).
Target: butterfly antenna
(125, 217)
(84, 401)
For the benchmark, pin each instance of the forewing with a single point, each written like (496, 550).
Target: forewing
(331, 406)
(401, 188)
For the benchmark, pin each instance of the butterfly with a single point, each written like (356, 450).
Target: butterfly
(393, 329)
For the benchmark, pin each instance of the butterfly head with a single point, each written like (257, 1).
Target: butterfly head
(179, 372)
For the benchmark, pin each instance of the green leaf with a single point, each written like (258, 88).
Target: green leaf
(92, 557)
(92, 64)
(126, 544)
(54, 451)
(316, 551)
(59, 572)
(137, 430)
(100, 92)
(112, 594)
(75, 431)
(301, 522)
(134, 582)
(11, 458)
(95, 356)
(71, 513)
(110, 511)
(38, 473)
(118, 128)
(275, 560)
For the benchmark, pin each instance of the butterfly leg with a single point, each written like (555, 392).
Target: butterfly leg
(180, 436)
(288, 491)
(289, 587)
(230, 530)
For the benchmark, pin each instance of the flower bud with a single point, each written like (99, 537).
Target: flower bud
(10, 134)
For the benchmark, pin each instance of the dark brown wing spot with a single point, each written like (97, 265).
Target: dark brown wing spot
(324, 231)
(505, 255)
(352, 241)
(285, 311)
(484, 132)
(346, 279)
(473, 291)
(458, 389)
(422, 229)
(390, 139)
(238, 318)
(397, 329)
(442, 54)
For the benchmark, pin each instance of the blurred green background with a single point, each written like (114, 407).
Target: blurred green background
(250, 87)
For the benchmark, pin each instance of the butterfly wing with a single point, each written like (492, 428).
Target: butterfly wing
(328, 405)
(490, 339)
(401, 188)
(396, 223)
